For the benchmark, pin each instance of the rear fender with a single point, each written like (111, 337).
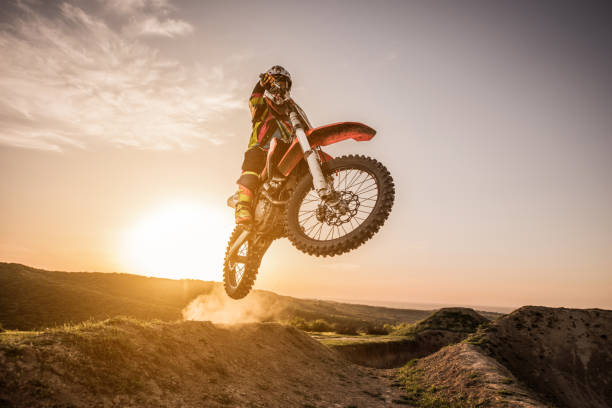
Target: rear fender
(324, 136)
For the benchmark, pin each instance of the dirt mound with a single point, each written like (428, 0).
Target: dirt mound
(454, 319)
(535, 356)
(564, 354)
(127, 363)
(462, 375)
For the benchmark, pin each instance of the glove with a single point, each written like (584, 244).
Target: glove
(266, 81)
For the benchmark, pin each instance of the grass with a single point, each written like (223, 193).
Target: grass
(334, 339)
(478, 339)
(98, 349)
(423, 395)
(505, 393)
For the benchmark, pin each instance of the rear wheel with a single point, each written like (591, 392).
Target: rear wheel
(240, 269)
(362, 200)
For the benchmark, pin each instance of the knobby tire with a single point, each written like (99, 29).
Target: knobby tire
(379, 213)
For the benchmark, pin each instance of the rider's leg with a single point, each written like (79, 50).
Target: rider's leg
(253, 164)
(245, 196)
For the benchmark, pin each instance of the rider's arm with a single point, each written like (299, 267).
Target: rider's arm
(262, 117)
(256, 102)
(258, 106)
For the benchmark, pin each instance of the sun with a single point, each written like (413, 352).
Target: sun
(177, 240)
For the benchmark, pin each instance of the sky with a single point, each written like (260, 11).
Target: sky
(123, 124)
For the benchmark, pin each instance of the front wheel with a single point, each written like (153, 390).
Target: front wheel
(240, 269)
(361, 202)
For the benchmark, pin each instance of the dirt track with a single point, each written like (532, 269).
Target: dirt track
(534, 357)
(126, 363)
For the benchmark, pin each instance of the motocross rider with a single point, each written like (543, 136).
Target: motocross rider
(269, 105)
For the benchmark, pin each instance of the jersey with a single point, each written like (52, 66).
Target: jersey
(269, 120)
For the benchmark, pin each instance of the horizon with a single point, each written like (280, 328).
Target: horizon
(123, 125)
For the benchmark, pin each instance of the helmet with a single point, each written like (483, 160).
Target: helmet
(279, 73)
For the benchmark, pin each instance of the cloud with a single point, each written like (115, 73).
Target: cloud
(166, 28)
(148, 18)
(72, 81)
(133, 6)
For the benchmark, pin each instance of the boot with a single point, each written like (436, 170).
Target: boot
(243, 207)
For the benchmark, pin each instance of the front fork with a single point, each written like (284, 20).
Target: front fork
(318, 179)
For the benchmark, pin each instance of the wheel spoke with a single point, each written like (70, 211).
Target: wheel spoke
(306, 219)
(349, 178)
(328, 234)
(358, 191)
(365, 187)
(364, 192)
(353, 179)
(358, 185)
(318, 234)
(311, 228)
(346, 176)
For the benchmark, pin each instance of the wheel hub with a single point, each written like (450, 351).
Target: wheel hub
(341, 212)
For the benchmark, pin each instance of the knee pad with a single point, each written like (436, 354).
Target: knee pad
(254, 160)
(249, 180)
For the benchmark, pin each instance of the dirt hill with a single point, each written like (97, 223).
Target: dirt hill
(34, 298)
(564, 354)
(451, 319)
(126, 363)
(534, 357)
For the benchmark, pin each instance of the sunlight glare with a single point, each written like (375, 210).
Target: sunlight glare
(180, 240)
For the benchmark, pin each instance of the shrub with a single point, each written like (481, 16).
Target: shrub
(299, 323)
(376, 329)
(320, 325)
(342, 328)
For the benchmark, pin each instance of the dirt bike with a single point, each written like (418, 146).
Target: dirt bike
(325, 206)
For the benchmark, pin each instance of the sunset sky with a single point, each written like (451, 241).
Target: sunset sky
(123, 124)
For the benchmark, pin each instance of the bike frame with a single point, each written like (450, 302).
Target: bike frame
(302, 148)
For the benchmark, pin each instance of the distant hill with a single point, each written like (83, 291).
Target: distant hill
(453, 319)
(33, 298)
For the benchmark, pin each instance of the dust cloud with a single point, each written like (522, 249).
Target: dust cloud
(217, 307)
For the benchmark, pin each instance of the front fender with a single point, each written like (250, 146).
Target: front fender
(324, 136)
(337, 132)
